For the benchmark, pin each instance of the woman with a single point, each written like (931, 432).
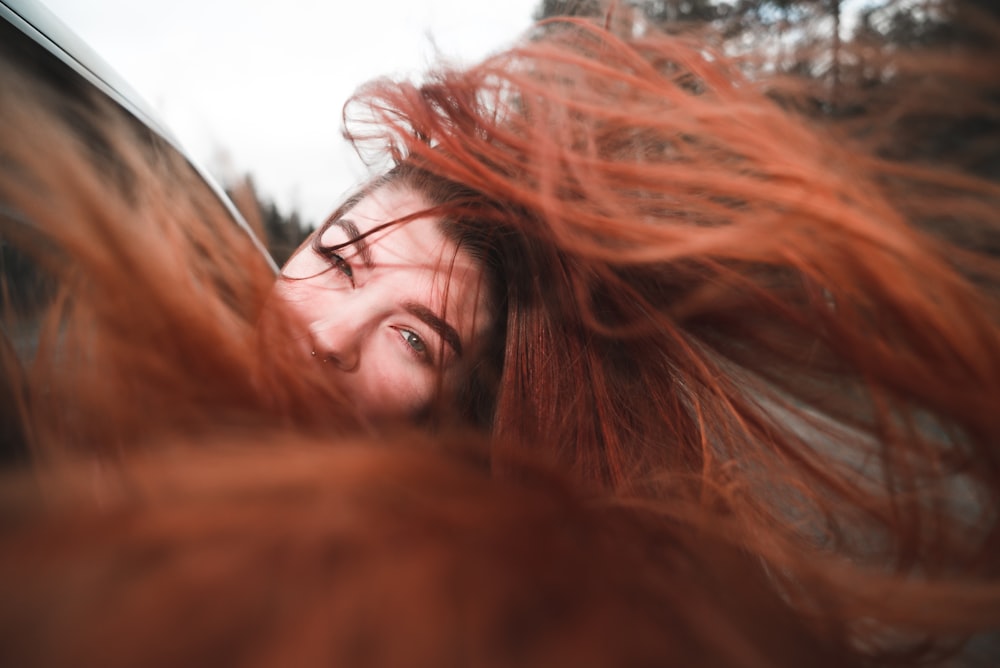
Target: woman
(714, 312)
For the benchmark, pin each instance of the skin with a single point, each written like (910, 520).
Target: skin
(392, 313)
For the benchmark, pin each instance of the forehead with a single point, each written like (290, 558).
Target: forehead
(389, 204)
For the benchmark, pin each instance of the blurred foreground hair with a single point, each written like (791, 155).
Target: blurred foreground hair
(245, 554)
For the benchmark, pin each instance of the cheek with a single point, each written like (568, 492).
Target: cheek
(389, 385)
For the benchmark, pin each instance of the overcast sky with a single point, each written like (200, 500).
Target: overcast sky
(257, 86)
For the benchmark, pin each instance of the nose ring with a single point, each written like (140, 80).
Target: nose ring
(325, 359)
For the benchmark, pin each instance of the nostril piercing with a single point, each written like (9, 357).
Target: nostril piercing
(326, 358)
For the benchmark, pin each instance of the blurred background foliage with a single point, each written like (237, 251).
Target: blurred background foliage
(847, 64)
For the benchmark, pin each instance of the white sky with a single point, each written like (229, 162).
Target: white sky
(257, 86)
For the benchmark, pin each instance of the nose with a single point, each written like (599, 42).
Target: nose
(339, 361)
(340, 351)
(338, 343)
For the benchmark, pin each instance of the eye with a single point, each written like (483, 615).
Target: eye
(413, 340)
(339, 263)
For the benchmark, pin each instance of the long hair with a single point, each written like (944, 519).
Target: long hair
(721, 317)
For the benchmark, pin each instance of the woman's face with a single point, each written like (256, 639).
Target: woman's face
(393, 312)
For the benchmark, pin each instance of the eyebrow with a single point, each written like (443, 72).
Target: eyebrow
(355, 239)
(442, 328)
